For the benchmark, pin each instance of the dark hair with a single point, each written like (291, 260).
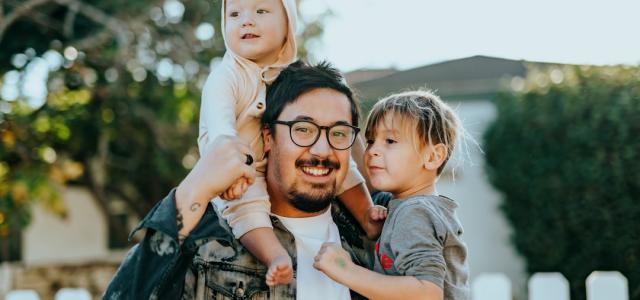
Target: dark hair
(299, 78)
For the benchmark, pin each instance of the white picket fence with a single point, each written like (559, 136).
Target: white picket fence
(492, 286)
(551, 286)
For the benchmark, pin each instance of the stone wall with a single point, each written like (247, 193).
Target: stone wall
(46, 280)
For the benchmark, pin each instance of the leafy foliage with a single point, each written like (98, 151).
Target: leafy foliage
(565, 153)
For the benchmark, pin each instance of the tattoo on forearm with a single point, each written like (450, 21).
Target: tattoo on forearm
(195, 206)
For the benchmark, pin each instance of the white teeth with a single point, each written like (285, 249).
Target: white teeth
(315, 171)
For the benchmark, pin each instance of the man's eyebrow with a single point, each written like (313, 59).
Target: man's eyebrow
(303, 118)
(307, 118)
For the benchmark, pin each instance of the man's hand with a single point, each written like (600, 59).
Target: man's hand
(334, 261)
(220, 166)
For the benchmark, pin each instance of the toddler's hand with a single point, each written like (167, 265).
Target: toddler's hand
(377, 213)
(333, 261)
(236, 190)
(375, 217)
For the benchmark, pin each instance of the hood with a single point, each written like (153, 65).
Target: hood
(288, 53)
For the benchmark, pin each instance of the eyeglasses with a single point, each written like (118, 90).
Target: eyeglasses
(306, 133)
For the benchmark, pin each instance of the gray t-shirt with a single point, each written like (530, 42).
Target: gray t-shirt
(422, 237)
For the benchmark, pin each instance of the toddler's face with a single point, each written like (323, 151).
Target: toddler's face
(256, 29)
(392, 162)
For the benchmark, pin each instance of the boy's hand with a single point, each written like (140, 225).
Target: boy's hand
(236, 190)
(333, 261)
(375, 220)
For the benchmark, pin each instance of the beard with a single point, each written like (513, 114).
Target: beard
(318, 196)
(314, 201)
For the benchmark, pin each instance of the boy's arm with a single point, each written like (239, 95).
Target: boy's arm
(370, 217)
(378, 286)
(336, 263)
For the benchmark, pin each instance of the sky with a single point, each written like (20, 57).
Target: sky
(412, 33)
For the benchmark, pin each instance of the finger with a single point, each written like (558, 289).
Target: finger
(244, 186)
(248, 173)
(237, 191)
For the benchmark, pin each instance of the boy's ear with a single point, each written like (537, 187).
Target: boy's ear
(435, 156)
(266, 138)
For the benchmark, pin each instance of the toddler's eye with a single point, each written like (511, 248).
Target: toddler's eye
(390, 141)
(369, 142)
(262, 11)
(233, 14)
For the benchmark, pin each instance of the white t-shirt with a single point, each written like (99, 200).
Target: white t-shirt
(310, 233)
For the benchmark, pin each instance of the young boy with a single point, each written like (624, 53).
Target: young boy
(420, 253)
(260, 41)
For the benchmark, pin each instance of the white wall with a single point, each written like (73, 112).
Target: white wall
(81, 237)
(486, 230)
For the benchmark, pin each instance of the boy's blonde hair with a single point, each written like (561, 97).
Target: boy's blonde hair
(422, 115)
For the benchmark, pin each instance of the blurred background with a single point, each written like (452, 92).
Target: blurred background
(99, 104)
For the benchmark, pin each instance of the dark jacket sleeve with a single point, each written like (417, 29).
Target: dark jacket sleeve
(156, 267)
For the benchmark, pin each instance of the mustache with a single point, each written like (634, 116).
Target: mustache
(314, 162)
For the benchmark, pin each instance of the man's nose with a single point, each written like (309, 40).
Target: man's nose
(321, 148)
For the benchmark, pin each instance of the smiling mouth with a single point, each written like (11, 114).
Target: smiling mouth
(316, 171)
(249, 36)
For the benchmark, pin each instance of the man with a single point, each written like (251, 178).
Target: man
(189, 252)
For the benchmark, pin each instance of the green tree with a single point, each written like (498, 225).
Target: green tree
(565, 154)
(102, 94)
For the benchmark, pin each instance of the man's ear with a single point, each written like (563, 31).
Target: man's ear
(266, 138)
(434, 156)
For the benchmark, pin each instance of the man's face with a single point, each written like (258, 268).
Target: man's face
(306, 178)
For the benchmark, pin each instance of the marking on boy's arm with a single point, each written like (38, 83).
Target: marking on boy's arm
(341, 263)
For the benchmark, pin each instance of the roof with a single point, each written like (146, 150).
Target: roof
(362, 75)
(471, 77)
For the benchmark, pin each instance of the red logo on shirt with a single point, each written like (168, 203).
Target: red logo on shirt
(386, 261)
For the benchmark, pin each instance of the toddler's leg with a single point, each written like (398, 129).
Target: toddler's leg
(249, 219)
(264, 244)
